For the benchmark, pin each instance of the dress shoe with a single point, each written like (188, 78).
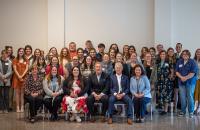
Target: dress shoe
(92, 119)
(103, 119)
(110, 121)
(129, 121)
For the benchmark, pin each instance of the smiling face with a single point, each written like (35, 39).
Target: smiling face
(170, 52)
(64, 52)
(112, 53)
(53, 51)
(147, 57)
(92, 53)
(118, 68)
(28, 51)
(21, 52)
(106, 58)
(72, 47)
(75, 72)
(98, 68)
(178, 48)
(125, 49)
(54, 71)
(185, 56)
(80, 53)
(37, 53)
(88, 60)
(54, 61)
(138, 71)
(119, 58)
(133, 57)
(9, 51)
(162, 55)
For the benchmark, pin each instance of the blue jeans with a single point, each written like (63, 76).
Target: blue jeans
(187, 96)
(140, 105)
(126, 99)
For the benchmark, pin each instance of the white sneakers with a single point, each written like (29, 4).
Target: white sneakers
(75, 117)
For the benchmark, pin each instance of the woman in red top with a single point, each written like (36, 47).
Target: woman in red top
(55, 62)
(20, 67)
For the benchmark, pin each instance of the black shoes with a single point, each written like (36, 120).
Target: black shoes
(163, 113)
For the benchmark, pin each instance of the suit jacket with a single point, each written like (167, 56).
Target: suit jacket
(99, 87)
(114, 87)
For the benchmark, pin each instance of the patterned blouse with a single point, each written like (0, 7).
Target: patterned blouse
(30, 85)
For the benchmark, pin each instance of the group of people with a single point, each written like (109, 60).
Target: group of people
(76, 79)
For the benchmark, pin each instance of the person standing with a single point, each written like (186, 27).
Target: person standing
(5, 81)
(186, 71)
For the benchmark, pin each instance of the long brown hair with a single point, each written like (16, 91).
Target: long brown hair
(62, 57)
(80, 79)
(49, 77)
(23, 57)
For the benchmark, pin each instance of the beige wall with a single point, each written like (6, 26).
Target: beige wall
(23, 22)
(110, 21)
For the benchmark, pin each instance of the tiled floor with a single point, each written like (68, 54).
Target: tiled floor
(15, 121)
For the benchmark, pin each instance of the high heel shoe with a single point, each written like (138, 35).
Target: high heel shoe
(18, 110)
(22, 109)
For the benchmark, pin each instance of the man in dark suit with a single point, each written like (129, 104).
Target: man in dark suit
(98, 83)
(119, 88)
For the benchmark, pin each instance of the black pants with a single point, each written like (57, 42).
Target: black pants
(53, 104)
(35, 103)
(4, 97)
(140, 106)
(91, 101)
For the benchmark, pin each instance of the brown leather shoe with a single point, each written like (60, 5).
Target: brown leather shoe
(109, 120)
(92, 119)
(129, 121)
(103, 119)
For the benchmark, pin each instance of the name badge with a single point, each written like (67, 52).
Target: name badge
(6, 64)
(180, 66)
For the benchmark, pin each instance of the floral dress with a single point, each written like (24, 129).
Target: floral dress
(75, 104)
(164, 85)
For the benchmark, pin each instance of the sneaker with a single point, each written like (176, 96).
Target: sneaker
(72, 118)
(78, 119)
(1, 111)
(6, 111)
(191, 115)
(32, 120)
(142, 120)
(181, 114)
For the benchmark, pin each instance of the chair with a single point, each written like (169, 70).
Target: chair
(27, 112)
(151, 110)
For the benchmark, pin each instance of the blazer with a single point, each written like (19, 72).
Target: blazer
(48, 88)
(114, 87)
(8, 74)
(143, 86)
(99, 87)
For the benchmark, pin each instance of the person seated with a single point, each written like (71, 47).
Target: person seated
(98, 84)
(140, 90)
(33, 91)
(76, 93)
(52, 85)
(120, 88)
